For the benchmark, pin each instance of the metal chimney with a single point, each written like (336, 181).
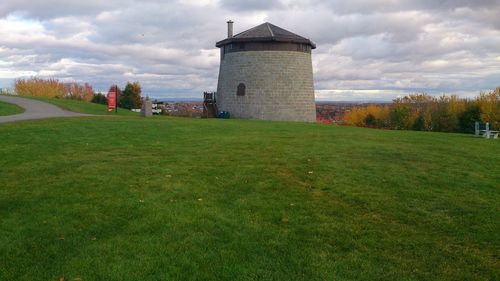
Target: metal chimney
(230, 29)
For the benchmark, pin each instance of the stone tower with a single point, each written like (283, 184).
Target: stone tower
(266, 73)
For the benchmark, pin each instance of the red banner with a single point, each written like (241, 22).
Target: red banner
(112, 99)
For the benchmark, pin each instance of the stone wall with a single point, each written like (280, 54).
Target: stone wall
(279, 85)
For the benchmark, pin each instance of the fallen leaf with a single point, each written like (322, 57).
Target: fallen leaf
(284, 219)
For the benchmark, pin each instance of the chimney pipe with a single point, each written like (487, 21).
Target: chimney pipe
(230, 29)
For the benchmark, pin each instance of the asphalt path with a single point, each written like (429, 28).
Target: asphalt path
(35, 109)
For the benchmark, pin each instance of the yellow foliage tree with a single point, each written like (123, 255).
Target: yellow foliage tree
(38, 87)
(489, 104)
(356, 117)
(428, 113)
(53, 88)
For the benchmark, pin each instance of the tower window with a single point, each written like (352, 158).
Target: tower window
(241, 90)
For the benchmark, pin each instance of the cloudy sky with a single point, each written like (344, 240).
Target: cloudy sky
(367, 50)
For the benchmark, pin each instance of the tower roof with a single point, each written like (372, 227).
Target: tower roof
(266, 32)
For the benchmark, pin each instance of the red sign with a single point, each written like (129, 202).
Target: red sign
(112, 98)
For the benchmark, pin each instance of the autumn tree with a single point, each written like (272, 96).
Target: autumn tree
(131, 96)
(400, 114)
(53, 88)
(356, 117)
(371, 116)
(38, 87)
(489, 105)
(423, 112)
(76, 91)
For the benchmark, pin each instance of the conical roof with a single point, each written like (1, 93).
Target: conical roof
(266, 32)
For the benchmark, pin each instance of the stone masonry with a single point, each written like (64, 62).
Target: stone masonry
(279, 85)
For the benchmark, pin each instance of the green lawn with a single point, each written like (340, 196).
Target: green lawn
(84, 107)
(9, 109)
(126, 198)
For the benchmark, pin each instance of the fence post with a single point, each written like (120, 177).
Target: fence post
(476, 126)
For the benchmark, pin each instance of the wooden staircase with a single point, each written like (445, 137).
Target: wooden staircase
(209, 105)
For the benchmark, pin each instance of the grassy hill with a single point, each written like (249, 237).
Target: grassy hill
(9, 109)
(84, 107)
(127, 198)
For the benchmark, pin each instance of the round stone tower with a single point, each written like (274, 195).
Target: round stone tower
(266, 73)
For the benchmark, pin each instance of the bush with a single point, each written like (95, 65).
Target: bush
(422, 112)
(53, 88)
(489, 105)
(100, 98)
(400, 117)
(78, 92)
(419, 124)
(131, 96)
(468, 118)
(37, 87)
(370, 120)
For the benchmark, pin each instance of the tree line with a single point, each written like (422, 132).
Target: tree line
(423, 112)
(53, 88)
(129, 98)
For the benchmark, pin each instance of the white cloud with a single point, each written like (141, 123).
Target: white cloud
(366, 49)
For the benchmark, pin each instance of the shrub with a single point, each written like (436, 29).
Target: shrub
(131, 96)
(75, 91)
(489, 105)
(53, 88)
(426, 113)
(400, 117)
(468, 118)
(370, 120)
(99, 98)
(37, 87)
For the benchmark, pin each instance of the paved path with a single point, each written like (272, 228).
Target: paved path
(35, 110)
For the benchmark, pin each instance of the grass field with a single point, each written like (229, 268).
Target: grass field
(85, 107)
(9, 109)
(125, 198)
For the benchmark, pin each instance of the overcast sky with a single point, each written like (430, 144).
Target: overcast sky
(367, 50)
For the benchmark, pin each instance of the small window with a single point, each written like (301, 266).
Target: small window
(241, 90)
(302, 48)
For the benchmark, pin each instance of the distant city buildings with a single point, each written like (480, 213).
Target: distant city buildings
(181, 109)
(334, 112)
